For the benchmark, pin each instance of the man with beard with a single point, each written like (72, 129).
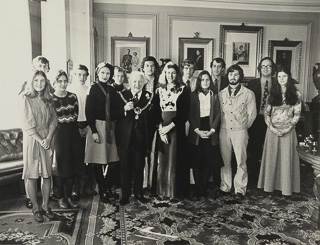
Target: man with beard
(238, 111)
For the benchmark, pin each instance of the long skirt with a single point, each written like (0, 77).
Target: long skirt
(280, 166)
(167, 161)
(69, 154)
(103, 152)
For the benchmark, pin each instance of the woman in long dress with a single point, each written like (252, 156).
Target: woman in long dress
(280, 167)
(69, 154)
(173, 170)
(101, 148)
(39, 124)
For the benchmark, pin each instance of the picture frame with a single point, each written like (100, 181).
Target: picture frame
(200, 50)
(128, 52)
(242, 45)
(287, 53)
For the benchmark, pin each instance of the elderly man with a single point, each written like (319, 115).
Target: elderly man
(238, 111)
(132, 135)
(261, 88)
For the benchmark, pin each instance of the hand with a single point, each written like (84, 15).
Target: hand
(210, 132)
(129, 106)
(202, 134)
(164, 139)
(95, 137)
(44, 144)
(164, 130)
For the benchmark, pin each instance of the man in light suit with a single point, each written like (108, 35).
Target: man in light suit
(261, 88)
(132, 135)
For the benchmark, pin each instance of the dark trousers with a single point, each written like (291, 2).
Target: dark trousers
(257, 134)
(64, 186)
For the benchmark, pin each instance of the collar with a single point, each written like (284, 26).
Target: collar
(138, 94)
(237, 89)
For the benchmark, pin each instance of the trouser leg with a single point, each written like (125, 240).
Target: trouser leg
(226, 152)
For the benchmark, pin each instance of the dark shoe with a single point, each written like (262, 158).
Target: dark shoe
(221, 193)
(75, 196)
(62, 203)
(38, 216)
(48, 213)
(174, 200)
(73, 204)
(124, 201)
(239, 196)
(195, 198)
(29, 203)
(104, 198)
(53, 197)
(141, 198)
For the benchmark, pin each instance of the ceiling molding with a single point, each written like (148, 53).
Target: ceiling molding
(310, 6)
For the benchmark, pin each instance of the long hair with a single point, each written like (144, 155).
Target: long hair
(198, 82)
(163, 79)
(235, 68)
(44, 94)
(275, 98)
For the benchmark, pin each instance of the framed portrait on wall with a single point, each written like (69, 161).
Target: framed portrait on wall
(242, 45)
(128, 52)
(200, 50)
(287, 54)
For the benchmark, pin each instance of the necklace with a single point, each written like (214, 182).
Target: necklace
(137, 110)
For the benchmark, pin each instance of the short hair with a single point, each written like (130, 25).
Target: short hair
(238, 68)
(136, 73)
(39, 59)
(150, 58)
(135, 53)
(120, 69)
(274, 66)
(58, 75)
(100, 66)
(187, 62)
(218, 60)
(81, 67)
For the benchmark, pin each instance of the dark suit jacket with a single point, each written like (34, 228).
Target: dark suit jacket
(194, 118)
(127, 123)
(224, 83)
(255, 86)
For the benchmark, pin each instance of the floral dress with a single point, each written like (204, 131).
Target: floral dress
(280, 166)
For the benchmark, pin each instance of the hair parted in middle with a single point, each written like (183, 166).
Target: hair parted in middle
(238, 68)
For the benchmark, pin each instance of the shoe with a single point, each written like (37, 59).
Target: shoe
(239, 196)
(195, 198)
(38, 216)
(141, 198)
(75, 196)
(29, 203)
(62, 203)
(73, 204)
(104, 198)
(48, 213)
(124, 201)
(174, 200)
(53, 197)
(221, 193)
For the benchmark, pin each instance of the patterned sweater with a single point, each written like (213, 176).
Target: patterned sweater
(67, 108)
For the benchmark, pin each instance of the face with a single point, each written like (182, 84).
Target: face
(149, 68)
(282, 78)
(198, 52)
(216, 69)
(39, 83)
(81, 76)
(188, 71)
(205, 82)
(44, 67)
(104, 74)
(62, 84)
(171, 75)
(266, 68)
(234, 77)
(118, 77)
(136, 83)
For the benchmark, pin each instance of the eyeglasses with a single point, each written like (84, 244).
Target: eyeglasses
(265, 67)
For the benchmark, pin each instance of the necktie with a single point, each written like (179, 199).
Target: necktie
(188, 83)
(232, 92)
(216, 85)
(135, 99)
(265, 95)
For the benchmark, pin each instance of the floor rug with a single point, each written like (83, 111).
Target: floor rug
(259, 219)
(21, 228)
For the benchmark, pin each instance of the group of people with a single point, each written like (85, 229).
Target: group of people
(150, 130)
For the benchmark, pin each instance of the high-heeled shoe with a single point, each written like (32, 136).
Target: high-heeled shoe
(29, 203)
(37, 215)
(48, 213)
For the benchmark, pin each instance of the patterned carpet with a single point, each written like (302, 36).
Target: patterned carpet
(21, 228)
(259, 219)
